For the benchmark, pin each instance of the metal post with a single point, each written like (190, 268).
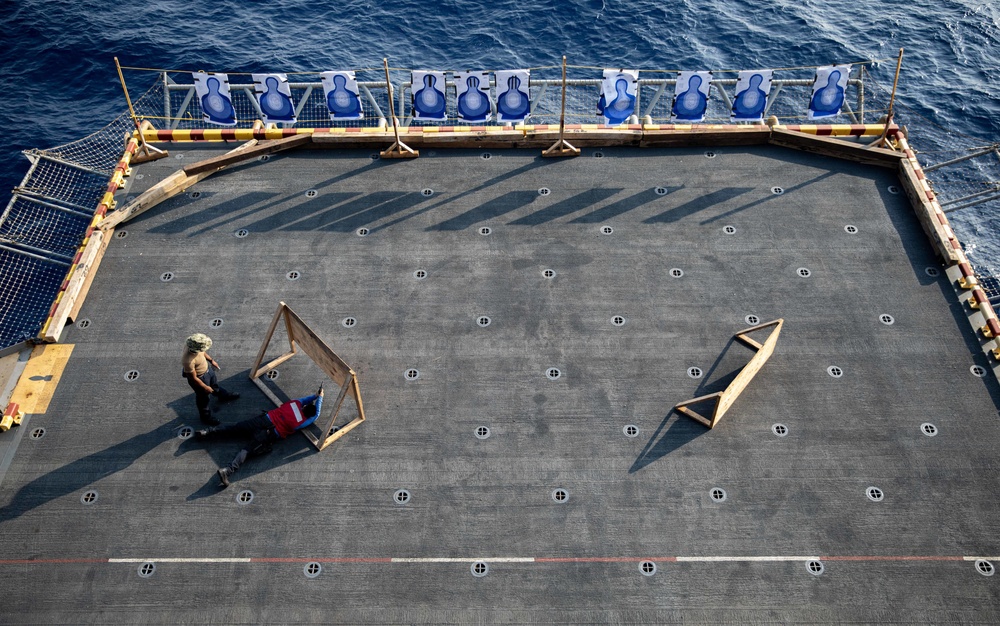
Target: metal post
(972, 155)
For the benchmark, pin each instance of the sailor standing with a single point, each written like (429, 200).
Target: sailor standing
(199, 370)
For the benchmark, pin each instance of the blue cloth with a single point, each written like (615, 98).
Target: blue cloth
(319, 405)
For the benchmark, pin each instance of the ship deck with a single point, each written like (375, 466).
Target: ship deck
(788, 500)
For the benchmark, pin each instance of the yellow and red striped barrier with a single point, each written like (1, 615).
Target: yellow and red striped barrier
(967, 279)
(107, 203)
(246, 134)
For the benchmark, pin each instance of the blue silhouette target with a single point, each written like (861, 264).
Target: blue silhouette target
(343, 99)
(513, 104)
(428, 95)
(213, 95)
(618, 94)
(752, 89)
(274, 97)
(474, 103)
(829, 88)
(691, 97)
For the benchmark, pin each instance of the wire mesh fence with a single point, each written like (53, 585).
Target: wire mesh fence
(48, 214)
(655, 92)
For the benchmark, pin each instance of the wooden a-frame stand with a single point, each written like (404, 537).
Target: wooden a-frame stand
(724, 399)
(301, 336)
(562, 147)
(398, 149)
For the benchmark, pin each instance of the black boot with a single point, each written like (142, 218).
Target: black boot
(208, 418)
(205, 433)
(230, 469)
(225, 396)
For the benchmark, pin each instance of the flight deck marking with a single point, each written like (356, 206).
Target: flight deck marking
(40, 378)
(508, 559)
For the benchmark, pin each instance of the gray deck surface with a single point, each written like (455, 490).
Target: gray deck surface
(803, 495)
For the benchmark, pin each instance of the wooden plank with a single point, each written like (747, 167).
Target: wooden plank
(357, 396)
(167, 188)
(340, 433)
(705, 137)
(255, 370)
(91, 273)
(748, 341)
(838, 148)
(683, 408)
(926, 214)
(164, 190)
(320, 442)
(84, 267)
(233, 157)
(738, 384)
(274, 363)
(267, 392)
(316, 348)
(726, 398)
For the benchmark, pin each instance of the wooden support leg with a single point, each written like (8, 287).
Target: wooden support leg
(561, 148)
(399, 150)
(149, 153)
(167, 188)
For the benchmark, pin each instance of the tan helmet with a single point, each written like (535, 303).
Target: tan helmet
(199, 342)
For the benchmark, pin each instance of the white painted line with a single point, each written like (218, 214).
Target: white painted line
(176, 560)
(733, 559)
(984, 558)
(506, 559)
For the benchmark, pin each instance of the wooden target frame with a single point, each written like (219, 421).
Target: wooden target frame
(724, 399)
(301, 336)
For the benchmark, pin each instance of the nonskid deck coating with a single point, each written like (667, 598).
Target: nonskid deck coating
(910, 557)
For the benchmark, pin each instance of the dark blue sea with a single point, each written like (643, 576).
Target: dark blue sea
(59, 81)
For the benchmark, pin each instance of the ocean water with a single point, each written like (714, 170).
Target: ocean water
(59, 82)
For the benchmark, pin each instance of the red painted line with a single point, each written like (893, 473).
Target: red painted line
(228, 133)
(197, 134)
(605, 559)
(824, 130)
